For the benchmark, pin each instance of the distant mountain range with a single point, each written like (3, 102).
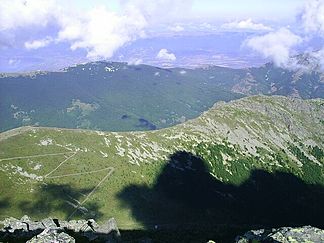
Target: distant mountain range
(115, 96)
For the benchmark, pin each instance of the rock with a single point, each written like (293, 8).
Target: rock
(49, 223)
(76, 225)
(25, 219)
(52, 235)
(32, 226)
(284, 235)
(107, 232)
(108, 227)
(12, 224)
(54, 230)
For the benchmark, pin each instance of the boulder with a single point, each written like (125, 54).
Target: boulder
(108, 227)
(283, 235)
(54, 230)
(52, 235)
(49, 223)
(12, 224)
(35, 225)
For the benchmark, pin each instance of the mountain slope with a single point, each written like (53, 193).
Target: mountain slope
(106, 96)
(79, 173)
(120, 97)
(305, 82)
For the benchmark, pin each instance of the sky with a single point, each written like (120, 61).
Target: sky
(51, 34)
(275, 9)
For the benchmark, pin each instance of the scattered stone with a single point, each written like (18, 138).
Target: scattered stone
(307, 234)
(54, 230)
(51, 235)
(49, 223)
(35, 226)
(12, 224)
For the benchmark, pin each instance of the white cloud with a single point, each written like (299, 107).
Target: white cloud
(99, 31)
(276, 45)
(102, 32)
(165, 55)
(313, 16)
(206, 26)
(13, 62)
(36, 44)
(135, 61)
(176, 28)
(313, 23)
(247, 24)
(21, 13)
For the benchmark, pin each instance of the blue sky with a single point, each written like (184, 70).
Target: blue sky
(87, 30)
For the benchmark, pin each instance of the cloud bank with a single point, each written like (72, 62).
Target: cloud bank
(135, 61)
(280, 45)
(165, 55)
(102, 32)
(35, 24)
(36, 44)
(313, 23)
(18, 13)
(313, 17)
(99, 31)
(176, 28)
(275, 45)
(247, 24)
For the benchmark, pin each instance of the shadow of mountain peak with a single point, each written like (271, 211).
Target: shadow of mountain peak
(4, 203)
(185, 194)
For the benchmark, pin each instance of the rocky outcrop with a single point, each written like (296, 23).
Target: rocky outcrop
(51, 235)
(283, 235)
(54, 230)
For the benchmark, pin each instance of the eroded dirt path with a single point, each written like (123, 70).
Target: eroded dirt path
(34, 156)
(93, 191)
(57, 167)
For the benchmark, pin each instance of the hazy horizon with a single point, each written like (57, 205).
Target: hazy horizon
(51, 35)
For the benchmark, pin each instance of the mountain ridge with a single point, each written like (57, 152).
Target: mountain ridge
(214, 107)
(233, 142)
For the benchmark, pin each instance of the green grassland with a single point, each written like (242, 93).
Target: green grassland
(72, 174)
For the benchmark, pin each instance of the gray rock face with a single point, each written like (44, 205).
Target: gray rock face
(24, 224)
(284, 235)
(12, 224)
(51, 235)
(49, 223)
(54, 230)
(107, 227)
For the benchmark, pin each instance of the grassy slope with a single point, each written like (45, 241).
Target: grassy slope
(270, 133)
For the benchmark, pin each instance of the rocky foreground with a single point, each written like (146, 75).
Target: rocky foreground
(60, 231)
(284, 235)
(54, 230)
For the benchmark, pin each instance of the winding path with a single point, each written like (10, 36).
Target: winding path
(90, 193)
(35, 156)
(74, 153)
(78, 174)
